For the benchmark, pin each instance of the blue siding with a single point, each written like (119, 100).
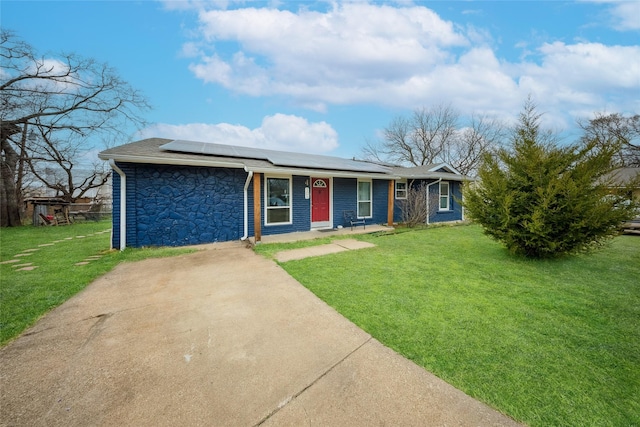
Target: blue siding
(345, 198)
(455, 211)
(301, 215)
(380, 201)
(454, 214)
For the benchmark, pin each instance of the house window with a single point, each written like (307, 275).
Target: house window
(401, 190)
(364, 199)
(278, 200)
(444, 196)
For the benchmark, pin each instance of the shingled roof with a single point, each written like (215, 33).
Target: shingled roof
(194, 153)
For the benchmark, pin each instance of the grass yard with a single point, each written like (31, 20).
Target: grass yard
(28, 294)
(553, 342)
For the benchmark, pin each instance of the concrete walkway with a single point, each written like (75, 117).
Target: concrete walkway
(330, 248)
(221, 337)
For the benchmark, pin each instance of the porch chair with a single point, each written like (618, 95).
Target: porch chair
(353, 220)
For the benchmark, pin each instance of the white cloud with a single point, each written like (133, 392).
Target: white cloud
(625, 14)
(584, 75)
(407, 56)
(334, 57)
(277, 132)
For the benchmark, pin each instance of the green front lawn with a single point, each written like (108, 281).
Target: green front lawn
(554, 342)
(25, 295)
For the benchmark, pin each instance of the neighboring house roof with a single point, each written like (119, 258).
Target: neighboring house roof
(624, 176)
(193, 153)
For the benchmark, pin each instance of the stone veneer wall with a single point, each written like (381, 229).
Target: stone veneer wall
(180, 205)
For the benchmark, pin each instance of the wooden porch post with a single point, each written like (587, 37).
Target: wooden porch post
(257, 208)
(392, 186)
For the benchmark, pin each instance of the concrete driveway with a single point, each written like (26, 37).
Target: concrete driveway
(221, 337)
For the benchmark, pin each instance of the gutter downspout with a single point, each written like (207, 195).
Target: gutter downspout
(246, 206)
(429, 185)
(123, 204)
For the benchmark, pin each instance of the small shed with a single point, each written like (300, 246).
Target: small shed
(53, 209)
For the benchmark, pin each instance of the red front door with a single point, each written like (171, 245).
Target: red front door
(319, 199)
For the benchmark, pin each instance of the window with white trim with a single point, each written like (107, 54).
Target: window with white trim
(401, 189)
(277, 200)
(364, 199)
(444, 196)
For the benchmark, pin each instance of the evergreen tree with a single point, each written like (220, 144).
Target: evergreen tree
(541, 199)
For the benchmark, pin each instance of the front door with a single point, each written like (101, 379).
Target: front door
(320, 201)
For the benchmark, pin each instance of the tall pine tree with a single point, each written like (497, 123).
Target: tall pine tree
(541, 199)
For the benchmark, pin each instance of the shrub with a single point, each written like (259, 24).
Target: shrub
(543, 200)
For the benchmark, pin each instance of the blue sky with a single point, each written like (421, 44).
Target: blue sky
(325, 77)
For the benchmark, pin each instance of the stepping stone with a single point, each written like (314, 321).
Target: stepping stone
(80, 237)
(30, 250)
(68, 238)
(33, 267)
(27, 254)
(48, 244)
(22, 265)
(82, 263)
(10, 261)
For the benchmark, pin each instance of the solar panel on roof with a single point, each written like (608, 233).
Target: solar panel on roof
(195, 147)
(277, 158)
(322, 162)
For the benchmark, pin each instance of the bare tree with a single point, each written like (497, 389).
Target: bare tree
(482, 134)
(53, 162)
(417, 141)
(434, 135)
(69, 102)
(612, 128)
(419, 204)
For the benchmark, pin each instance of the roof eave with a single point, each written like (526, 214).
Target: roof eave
(320, 173)
(124, 158)
(444, 176)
